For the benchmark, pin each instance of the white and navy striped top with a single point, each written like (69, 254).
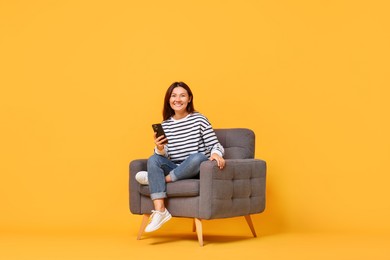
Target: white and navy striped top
(189, 135)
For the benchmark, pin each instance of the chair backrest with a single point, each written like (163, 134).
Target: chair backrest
(239, 143)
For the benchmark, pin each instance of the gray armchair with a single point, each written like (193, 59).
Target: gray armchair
(237, 190)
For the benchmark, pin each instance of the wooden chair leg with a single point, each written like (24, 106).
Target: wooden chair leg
(193, 226)
(144, 223)
(250, 223)
(199, 232)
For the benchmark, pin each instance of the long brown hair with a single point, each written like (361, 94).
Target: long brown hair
(167, 110)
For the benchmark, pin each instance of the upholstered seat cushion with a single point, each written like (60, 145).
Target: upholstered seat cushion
(182, 188)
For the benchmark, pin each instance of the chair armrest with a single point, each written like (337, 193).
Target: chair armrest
(237, 190)
(135, 197)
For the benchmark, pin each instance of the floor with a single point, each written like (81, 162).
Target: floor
(177, 242)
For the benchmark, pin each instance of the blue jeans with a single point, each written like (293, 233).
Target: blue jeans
(160, 166)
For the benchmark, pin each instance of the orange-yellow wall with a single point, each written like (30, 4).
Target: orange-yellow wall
(82, 81)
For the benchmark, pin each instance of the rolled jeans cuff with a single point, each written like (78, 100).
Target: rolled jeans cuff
(173, 176)
(159, 195)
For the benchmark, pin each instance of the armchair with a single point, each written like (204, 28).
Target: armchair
(237, 190)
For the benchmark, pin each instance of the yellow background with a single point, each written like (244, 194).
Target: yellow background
(82, 81)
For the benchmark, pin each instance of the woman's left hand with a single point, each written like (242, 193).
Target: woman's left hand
(219, 159)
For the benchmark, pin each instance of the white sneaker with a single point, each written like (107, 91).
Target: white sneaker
(157, 219)
(142, 177)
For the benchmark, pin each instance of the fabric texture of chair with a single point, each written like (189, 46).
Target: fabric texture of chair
(237, 190)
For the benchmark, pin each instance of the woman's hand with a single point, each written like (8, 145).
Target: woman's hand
(160, 141)
(219, 159)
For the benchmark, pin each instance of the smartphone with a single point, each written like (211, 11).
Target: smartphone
(157, 128)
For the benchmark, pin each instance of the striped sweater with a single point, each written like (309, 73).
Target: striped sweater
(189, 135)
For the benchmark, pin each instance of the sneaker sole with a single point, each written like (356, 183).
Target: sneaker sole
(142, 181)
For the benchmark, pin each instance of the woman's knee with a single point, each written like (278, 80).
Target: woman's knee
(153, 160)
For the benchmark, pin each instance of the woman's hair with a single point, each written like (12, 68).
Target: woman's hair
(167, 110)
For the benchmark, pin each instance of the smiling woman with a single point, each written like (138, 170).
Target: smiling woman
(192, 141)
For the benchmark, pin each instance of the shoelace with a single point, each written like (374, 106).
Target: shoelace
(156, 212)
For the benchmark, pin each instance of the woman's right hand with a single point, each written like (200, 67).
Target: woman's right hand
(160, 141)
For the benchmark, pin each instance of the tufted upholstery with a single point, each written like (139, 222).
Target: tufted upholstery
(237, 190)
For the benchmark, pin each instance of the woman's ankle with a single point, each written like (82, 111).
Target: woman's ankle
(168, 178)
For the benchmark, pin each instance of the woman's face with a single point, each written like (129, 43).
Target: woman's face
(179, 100)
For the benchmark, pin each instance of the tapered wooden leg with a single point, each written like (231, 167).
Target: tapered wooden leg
(193, 226)
(144, 223)
(250, 223)
(199, 232)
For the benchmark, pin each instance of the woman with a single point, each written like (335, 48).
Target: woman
(189, 141)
